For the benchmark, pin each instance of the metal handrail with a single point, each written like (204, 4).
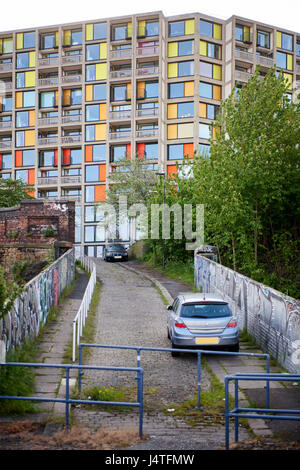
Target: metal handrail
(69, 401)
(199, 352)
(250, 412)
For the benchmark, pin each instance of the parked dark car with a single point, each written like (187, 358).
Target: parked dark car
(115, 252)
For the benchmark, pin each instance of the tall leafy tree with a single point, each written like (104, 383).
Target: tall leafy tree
(13, 191)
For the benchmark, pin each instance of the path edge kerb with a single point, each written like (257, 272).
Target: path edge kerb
(158, 284)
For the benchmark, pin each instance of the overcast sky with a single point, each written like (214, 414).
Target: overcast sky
(18, 14)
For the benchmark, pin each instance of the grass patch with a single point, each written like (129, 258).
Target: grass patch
(112, 394)
(179, 271)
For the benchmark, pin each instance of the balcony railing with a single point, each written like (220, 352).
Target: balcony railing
(298, 69)
(147, 112)
(49, 121)
(48, 81)
(72, 198)
(266, 61)
(5, 124)
(243, 55)
(71, 179)
(147, 50)
(71, 118)
(5, 145)
(48, 61)
(47, 181)
(71, 139)
(48, 140)
(125, 135)
(6, 67)
(71, 59)
(120, 53)
(243, 76)
(121, 73)
(147, 133)
(150, 70)
(120, 114)
(71, 78)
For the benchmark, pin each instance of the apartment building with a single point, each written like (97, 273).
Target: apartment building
(77, 98)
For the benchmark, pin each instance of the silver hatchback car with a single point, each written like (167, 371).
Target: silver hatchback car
(200, 320)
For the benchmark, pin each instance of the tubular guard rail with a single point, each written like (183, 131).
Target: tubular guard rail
(255, 413)
(138, 349)
(69, 401)
(80, 318)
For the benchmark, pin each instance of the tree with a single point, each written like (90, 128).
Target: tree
(8, 294)
(13, 191)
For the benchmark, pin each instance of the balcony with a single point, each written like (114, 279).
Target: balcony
(242, 76)
(5, 145)
(146, 133)
(147, 70)
(71, 59)
(243, 55)
(124, 73)
(71, 139)
(6, 67)
(116, 115)
(71, 118)
(71, 198)
(71, 78)
(147, 112)
(45, 141)
(147, 50)
(5, 125)
(265, 61)
(50, 81)
(120, 135)
(71, 179)
(50, 121)
(45, 181)
(120, 53)
(48, 61)
(298, 69)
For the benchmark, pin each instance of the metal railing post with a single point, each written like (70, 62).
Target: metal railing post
(199, 380)
(67, 395)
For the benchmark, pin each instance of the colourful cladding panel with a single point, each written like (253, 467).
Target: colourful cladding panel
(141, 28)
(102, 172)
(19, 40)
(217, 33)
(31, 120)
(172, 131)
(31, 59)
(185, 130)
(128, 91)
(289, 62)
(30, 79)
(100, 131)
(172, 111)
(172, 70)
(66, 156)
(141, 90)
(217, 72)
(278, 39)
(129, 30)
(101, 71)
(189, 89)
(100, 192)
(103, 50)
(189, 27)
(203, 47)
(67, 38)
(67, 97)
(217, 92)
(188, 150)
(31, 177)
(89, 93)
(171, 170)
(88, 153)
(102, 112)
(19, 158)
(89, 32)
(128, 151)
(173, 49)
(55, 157)
(202, 110)
(29, 138)
(140, 150)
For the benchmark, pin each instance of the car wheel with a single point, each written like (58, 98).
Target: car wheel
(168, 333)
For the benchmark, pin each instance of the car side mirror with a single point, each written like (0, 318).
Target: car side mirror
(169, 307)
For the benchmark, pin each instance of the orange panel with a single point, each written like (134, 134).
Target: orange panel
(128, 151)
(19, 158)
(100, 192)
(67, 97)
(88, 153)
(66, 156)
(102, 172)
(31, 177)
(0, 161)
(188, 149)
(171, 170)
(55, 157)
(140, 150)
(30, 193)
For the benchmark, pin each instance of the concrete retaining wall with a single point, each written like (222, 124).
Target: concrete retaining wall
(31, 308)
(271, 317)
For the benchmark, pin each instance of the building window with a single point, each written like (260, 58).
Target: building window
(119, 152)
(47, 158)
(95, 112)
(181, 110)
(95, 31)
(96, 72)
(96, 51)
(6, 104)
(26, 40)
(95, 153)
(181, 28)
(180, 48)
(49, 40)
(73, 38)
(148, 28)
(179, 151)
(208, 111)
(25, 60)
(210, 70)
(263, 39)
(204, 150)
(120, 92)
(6, 161)
(24, 158)
(284, 41)
(209, 49)
(25, 138)
(72, 157)
(95, 92)
(212, 30)
(25, 118)
(121, 32)
(284, 61)
(147, 90)
(6, 46)
(180, 69)
(95, 173)
(95, 193)
(25, 79)
(48, 99)
(180, 89)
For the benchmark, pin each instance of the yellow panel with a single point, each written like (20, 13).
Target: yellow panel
(217, 31)
(102, 112)
(172, 131)
(100, 131)
(89, 93)
(173, 49)
(57, 38)
(67, 97)
(289, 79)
(188, 88)
(142, 28)
(172, 111)
(29, 138)
(189, 27)
(289, 65)
(31, 118)
(30, 79)
(217, 92)
(203, 48)
(128, 91)
(217, 72)
(215, 131)
(1, 46)
(67, 38)
(202, 110)
(56, 98)
(103, 50)
(173, 70)
(185, 130)
(89, 32)
(246, 33)
(278, 39)
(32, 59)
(129, 30)
(19, 99)
(101, 71)
(141, 90)
(20, 41)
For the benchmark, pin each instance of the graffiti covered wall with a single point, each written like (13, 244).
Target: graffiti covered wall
(38, 297)
(271, 317)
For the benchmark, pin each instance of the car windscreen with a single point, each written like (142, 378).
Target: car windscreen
(206, 310)
(115, 248)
